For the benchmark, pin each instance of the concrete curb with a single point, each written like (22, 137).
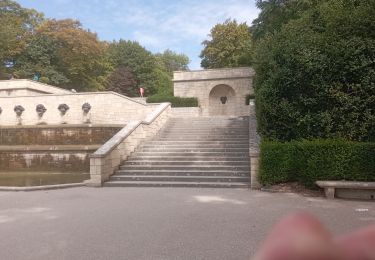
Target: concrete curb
(46, 187)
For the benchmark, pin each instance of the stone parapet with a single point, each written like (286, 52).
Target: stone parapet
(211, 74)
(106, 108)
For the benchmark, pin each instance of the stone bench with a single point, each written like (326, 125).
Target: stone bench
(353, 189)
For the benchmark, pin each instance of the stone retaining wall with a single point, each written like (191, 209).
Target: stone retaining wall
(57, 135)
(50, 158)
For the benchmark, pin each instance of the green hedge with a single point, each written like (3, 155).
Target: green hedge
(309, 161)
(175, 101)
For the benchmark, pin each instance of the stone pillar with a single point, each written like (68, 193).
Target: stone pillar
(254, 141)
(254, 169)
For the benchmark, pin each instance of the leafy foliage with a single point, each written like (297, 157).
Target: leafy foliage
(316, 77)
(136, 58)
(123, 81)
(17, 25)
(309, 161)
(173, 61)
(63, 53)
(82, 56)
(229, 46)
(175, 101)
(41, 57)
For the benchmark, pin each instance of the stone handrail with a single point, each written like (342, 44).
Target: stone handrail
(109, 156)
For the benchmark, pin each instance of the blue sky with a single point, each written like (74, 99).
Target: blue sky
(156, 24)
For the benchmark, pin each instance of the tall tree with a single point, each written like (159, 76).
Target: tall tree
(41, 57)
(17, 25)
(173, 61)
(82, 57)
(138, 60)
(229, 46)
(276, 13)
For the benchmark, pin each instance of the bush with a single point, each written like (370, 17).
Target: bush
(309, 161)
(315, 76)
(175, 101)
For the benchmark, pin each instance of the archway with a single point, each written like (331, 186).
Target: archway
(222, 101)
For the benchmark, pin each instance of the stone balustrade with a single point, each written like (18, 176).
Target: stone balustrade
(108, 158)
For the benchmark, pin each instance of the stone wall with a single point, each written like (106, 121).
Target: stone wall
(46, 158)
(51, 148)
(25, 87)
(106, 108)
(57, 135)
(210, 85)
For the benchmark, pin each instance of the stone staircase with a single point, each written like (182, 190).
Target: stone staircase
(191, 152)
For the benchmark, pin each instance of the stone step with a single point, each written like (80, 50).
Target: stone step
(173, 146)
(190, 158)
(197, 138)
(185, 167)
(183, 173)
(200, 127)
(201, 130)
(205, 136)
(177, 184)
(195, 142)
(192, 154)
(191, 149)
(185, 163)
(168, 178)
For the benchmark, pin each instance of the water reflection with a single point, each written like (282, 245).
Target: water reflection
(27, 179)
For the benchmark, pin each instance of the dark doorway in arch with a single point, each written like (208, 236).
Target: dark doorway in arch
(222, 101)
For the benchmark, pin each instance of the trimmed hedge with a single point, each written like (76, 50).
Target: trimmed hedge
(175, 101)
(309, 161)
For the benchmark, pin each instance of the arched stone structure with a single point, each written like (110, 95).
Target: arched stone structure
(209, 86)
(222, 101)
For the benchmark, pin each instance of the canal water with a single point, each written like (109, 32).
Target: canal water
(28, 179)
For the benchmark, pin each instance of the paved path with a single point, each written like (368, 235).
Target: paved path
(155, 223)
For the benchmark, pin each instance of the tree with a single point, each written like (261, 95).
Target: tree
(17, 25)
(41, 57)
(81, 56)
(173, 61)
(276, 13)
(123, 81)
(138, 60)
(229, 46)
(315, 76)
